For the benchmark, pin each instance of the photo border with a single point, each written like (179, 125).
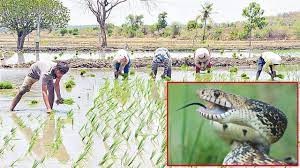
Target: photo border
(297, 128)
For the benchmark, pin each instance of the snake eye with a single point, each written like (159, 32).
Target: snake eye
(216, 94)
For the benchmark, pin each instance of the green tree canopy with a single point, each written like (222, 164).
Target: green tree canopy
(162, 23)
(135, 21)
(192, 24)
(21, 16)
(255, 19)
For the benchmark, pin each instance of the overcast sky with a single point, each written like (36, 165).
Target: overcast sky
(178, 10)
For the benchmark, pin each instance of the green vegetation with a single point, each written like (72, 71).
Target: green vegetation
(83, 71)
(234, 55)
(204, 16)
(233, 69)
(33, 102)
(191, 138)
(282, 26)
(6, 85)
(280, 76)
(68, 101)
(255, 19)
(92, 75)
(69, 84)
(52, 13)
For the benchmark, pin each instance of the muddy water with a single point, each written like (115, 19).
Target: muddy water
(30, 119)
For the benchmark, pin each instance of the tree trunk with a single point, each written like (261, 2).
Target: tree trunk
(21, 40)
(103, 35)
(250, 43)
(204, 27)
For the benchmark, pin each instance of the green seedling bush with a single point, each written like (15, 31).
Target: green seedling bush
(82, 72)
(233, 69)
(222, 51)
(68, 101)
(280, 76)
(243, 75)
(234, 55)
(5, 85)
(69, 84)
(32, 102)
(92, 75)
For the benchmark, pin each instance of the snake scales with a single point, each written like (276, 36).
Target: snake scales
(249, 125)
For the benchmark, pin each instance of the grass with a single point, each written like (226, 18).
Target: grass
(6, 85)
(193, 140)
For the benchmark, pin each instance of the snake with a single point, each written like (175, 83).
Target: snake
(249, 125)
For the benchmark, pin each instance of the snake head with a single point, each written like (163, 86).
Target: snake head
(226, 108)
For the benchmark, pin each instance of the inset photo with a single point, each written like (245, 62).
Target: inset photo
(232, 124)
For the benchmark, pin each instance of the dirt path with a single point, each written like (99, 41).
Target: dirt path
(146, 62)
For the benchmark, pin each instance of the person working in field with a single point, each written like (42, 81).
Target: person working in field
(162, 57)
(47, 71)
(268, 60)
(202, 60)
(121, 62)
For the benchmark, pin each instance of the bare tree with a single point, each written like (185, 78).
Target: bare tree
(102, 10)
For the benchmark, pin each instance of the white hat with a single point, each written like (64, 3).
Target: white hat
(201, 52)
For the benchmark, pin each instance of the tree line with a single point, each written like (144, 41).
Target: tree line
(24, 16)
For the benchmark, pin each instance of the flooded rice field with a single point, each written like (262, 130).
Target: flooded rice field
(105, 126)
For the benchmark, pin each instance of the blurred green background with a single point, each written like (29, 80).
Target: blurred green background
(191, 140)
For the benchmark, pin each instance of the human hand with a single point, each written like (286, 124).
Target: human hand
(60, 101)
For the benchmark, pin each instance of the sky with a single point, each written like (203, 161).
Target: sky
(178, 10)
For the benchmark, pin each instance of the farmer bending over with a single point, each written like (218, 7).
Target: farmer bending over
(47, 71)
(202, 60)
(121, 62)
(162, 57)
(268, 59)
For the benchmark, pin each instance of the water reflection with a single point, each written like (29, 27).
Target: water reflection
(43, 145)
(21, 58)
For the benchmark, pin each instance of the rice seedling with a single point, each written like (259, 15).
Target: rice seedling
(68, 101)
(92, 75)
(233, 69)
(33, 140)
(69, 83)
(33, 102)
(222, 51)
(6, 85)
(58, 139)
(281, 76)
(61, 54)
(20, 122)
(83, 71)
(234, 55)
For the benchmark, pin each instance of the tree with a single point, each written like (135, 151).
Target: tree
(175, 27)
(255, 19)
(191, 25)
(205, 15)
(135, 21)
(21, 16)
(102, 10)
(133, 24)
(162, 23)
